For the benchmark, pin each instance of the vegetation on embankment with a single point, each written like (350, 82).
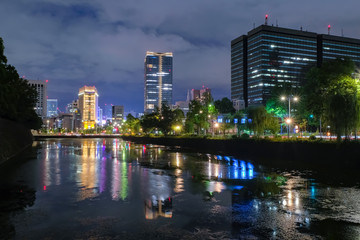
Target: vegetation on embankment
(17, 97)
(14, 138)
(292, 151)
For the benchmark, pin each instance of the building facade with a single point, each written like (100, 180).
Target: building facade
(41, 89)
(107, 113)
(271, 56)
(158, 84)
(117, 114)
(200, 94)
(88, 106)
(52, 105)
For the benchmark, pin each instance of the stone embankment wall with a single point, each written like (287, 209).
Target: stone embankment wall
(14, 138)
(294, 153)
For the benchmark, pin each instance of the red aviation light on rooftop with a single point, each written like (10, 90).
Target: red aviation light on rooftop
(266, 19)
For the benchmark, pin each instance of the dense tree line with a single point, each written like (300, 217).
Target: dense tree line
(17, 98)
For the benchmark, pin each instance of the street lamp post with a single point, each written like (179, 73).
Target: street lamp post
(288, 121)
(216, 125)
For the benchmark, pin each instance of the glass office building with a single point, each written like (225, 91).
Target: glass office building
(52, 105)
(158, 80)
(271, 56)
(335, 46)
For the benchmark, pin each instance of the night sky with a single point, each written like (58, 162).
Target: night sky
(103, 42)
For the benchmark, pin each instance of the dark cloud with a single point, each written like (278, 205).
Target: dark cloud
(103, 43)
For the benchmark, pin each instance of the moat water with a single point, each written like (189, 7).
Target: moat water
(113, 189)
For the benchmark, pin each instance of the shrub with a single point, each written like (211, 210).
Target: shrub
(312, 137)
(234, 136)
(245, 136)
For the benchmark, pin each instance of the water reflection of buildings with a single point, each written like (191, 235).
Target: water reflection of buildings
(88, 169)
(157, 185)
(51, 172)
(157, 207)
(225, 167)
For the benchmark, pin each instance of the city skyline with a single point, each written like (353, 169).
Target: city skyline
(79, 43)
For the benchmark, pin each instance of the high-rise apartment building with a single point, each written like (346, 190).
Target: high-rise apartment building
(52, 105)
(271, 56)
(88, 106)
(158, 80)
(41, 89)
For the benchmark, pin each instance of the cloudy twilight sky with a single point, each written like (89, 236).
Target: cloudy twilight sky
(103, 42)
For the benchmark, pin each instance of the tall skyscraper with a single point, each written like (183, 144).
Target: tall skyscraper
(158, 80)
(268, 56)
(88, 106)
(41, 89)
(52, 105)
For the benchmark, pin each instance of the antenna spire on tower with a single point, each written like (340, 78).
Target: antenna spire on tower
(329, 28)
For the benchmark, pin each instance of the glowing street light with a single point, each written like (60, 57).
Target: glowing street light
(177, 128)
(216, 126)
(288, 120)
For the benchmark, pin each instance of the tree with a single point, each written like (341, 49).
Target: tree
(331, 94)
(166, 119)
(150, 121)
(197, 116)
(257, 119)
(228, 123)
(276, 107)
(17, 97)
(132, 123)
(260, 120)
(343, 106)
(224, 105)
(272, 123)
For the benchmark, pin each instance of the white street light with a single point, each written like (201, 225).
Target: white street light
(288, 120)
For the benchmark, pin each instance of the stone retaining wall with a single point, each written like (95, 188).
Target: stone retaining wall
(14, 138)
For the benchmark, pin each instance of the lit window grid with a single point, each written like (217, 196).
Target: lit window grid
(261, 77)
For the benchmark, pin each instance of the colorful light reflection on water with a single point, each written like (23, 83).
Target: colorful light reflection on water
(118, 187)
